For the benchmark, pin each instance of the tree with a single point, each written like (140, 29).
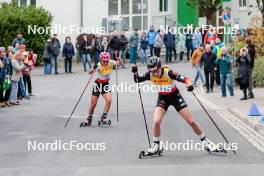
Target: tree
(15, 19)
(207, 8)
(260, 4)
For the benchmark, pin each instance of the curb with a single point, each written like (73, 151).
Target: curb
(252, 122)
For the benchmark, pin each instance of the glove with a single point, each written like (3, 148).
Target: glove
(190, 88)
(134, 69)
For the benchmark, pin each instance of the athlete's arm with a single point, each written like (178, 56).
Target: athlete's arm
(139, 79)
(176, 76)
(92, 70)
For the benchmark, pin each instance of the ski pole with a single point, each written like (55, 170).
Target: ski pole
(117, 110)
(78, 100)
(144, 115)
(212, 120)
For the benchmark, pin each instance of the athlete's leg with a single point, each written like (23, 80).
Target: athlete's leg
(108, 100)
(187, 116)
(94, 101)
(158, 116)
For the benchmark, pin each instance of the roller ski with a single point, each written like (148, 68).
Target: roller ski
(154, 151)
(210, 147)
(87, 122)
(104, 121)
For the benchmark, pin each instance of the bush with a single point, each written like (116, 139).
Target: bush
(258, 72)
(15, 19)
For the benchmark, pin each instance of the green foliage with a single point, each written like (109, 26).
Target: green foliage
(258, 72)
(16, 19)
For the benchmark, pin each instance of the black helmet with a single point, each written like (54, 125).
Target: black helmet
(153, 62)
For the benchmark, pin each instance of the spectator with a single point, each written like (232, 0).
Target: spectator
(244, 63)
(252, 54)
(68, 53)
(182, 44)
(55, 51)
(21, 86)
(158, 44)
(196, 58)
(78, 55)
(225, 72)
(104, 44)
(151, 36)
(210, 35)
(114, 45)
(189, 44)
(5, 72)
(19, 40)
(208, 61)
(47, 58)
(16, 48)
(197, 38)
(133, 43)
(18, 66)
(27, 72)
(96, 44)
(86, 52)
(169, 41)
(143, 48)
(217, 49)
(123, 47)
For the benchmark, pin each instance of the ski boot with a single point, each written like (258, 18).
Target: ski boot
(104, 121)
(87, 122)
(210, 147)
(154, 151)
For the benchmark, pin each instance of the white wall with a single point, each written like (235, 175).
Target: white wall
(64, 12)
(242, 13)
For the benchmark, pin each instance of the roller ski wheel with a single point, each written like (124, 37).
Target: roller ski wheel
(104, 121)
(215, 149)
(86, 123)
(144, 155)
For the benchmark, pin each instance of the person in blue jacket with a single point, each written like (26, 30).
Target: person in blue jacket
(151, 36)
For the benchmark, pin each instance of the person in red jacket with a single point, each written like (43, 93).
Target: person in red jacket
(210, 35)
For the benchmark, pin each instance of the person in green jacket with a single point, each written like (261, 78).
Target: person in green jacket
(224, 63)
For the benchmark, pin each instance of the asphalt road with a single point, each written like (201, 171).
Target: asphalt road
(42, 120)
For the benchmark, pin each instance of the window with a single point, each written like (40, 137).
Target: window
(33, 2)
(145, 6)
(163, 5)
(137, 6)
(23, 2)
(242, 3)
(125, 23)
(124, 7)
(113, 7)
(136, 22)
(145, 22)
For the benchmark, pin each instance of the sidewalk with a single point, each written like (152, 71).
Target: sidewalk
(238, 107)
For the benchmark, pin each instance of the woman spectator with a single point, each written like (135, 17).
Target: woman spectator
(86, 53)
(158, 44)
(47, 58)
(18, 67)
(5, 72)
(114, 45)
(104, 44)
(68, 53)
(196, 58)
(243, 78)
(143, 48)
(27, 72)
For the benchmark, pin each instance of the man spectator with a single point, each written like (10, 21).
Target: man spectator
(151, 36)
(252, 54)
(189, 43)
(169, 41)
(55, 51)
(197, 39)
(133, 43)
(19, 40)
(114, 45)
(123, 47)
(208, 61)
(158, 44)
(96, 44)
